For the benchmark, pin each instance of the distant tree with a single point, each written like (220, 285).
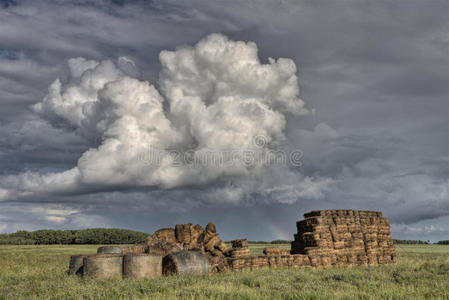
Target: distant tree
(410, 242)
(67, 237)
(281, 242)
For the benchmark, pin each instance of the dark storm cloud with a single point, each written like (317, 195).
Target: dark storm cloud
(376, 74)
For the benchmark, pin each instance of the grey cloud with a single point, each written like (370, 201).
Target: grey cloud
(375, 73)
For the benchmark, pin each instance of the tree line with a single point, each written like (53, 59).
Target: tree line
(410, 242)
(70, 237)
(446, 242)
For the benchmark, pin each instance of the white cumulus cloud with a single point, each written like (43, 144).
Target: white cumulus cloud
(214, 98)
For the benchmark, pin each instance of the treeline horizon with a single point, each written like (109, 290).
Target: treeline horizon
(113, 236)
(73, 237)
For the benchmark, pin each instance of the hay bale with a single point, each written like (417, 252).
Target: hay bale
(76, 264)
(221, 246)
(139, 248)
(239, 243)
(273, 251)
(236, 263)
(142, 266)
(197, 232)
(183, 233)
(185, 262)
(103, 266)
(240, 252)
(217, 264)
(165, 234)
(211, 228)
(110, 250)
(212, 242)
(162, 248)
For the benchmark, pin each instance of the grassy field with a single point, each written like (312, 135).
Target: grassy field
(40, 272)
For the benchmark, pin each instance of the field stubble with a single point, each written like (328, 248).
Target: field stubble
(40, 272)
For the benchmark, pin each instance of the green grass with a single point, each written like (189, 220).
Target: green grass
(40, 272)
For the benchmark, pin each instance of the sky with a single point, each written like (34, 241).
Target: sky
(144, 114)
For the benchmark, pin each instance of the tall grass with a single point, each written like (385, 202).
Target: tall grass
(40, 272)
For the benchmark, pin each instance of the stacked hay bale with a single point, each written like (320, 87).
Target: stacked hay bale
(325, 238)
(213, 245)
(239, 255)
(217, 264)
(239, 248)
(182, 237)
(144, 260)
(275, 251)
(165, 234)
(344, 238)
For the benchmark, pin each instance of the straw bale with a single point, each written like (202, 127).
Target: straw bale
(240, 252)
(142, 265)
(103, 266)
(239, 243)
(183, 233)
(217, 264)
(76, 264)
(185, 262)
(165, 234)
(162, 247)
(275, 251)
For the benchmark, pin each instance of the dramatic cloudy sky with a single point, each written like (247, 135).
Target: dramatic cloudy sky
(143, 114)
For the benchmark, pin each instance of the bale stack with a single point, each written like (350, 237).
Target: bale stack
(165, 234)
(239, 248)
(183, 237)
(213, 245)
(239, 255)
(217, 264)
(258, 262)
(344, 238)
(325, 238)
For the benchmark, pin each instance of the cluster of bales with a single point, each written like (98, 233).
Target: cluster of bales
(325, 238)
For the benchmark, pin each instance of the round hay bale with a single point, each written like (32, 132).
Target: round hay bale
(185, 262)
(110, 250)
(76, 264)
(142, 265)
(103, 266)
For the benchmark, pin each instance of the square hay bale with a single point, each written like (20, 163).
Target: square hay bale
(314, 260)
(339, 245)
(166, 234)
(275, 251)
(372, 260)
(239, 243)
(240, 252)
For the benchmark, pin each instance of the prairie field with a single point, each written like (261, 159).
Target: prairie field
(39, 272)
